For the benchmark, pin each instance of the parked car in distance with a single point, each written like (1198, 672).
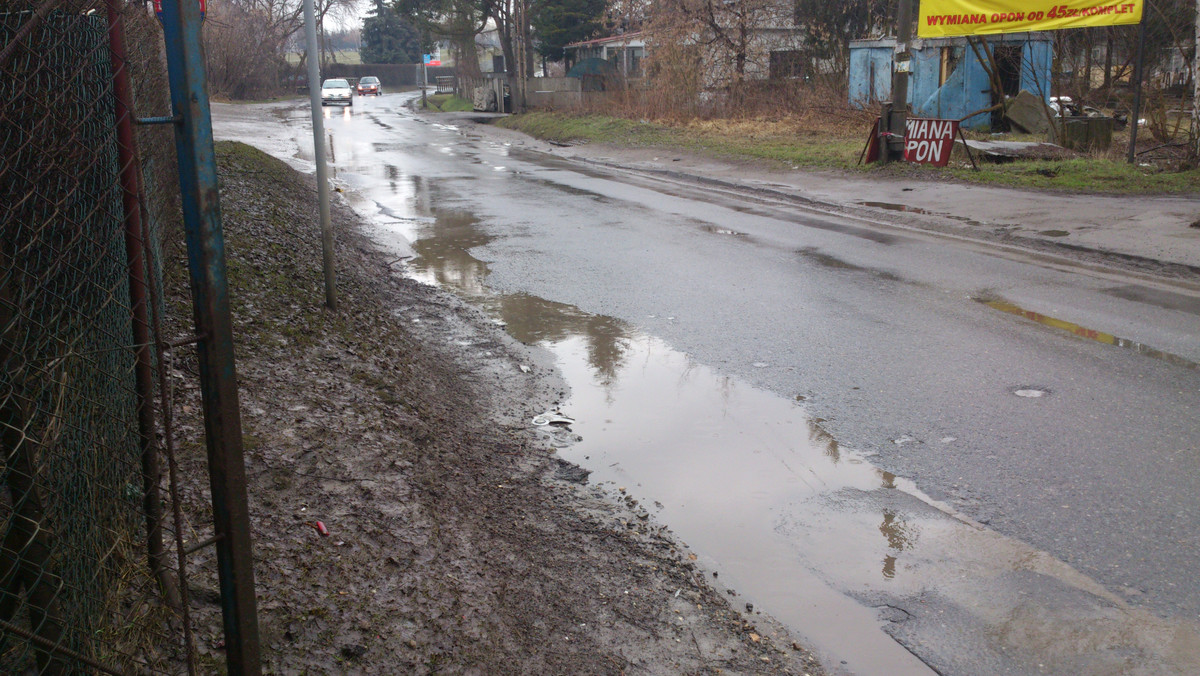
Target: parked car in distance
(337, 90)
(369, 85)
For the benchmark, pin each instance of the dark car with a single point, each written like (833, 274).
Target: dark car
(369, 85)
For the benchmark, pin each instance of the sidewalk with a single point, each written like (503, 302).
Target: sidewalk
(1159, 235)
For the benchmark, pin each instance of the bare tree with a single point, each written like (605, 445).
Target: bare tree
(458, 21)
(733, 38)
(245, 43)
(830, 26)
(331, 11)
(625, 16)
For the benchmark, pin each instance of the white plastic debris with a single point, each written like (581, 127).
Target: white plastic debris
(552, 418)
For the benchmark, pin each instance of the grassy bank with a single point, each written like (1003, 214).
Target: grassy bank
(448, 103)
(1086, 175)
(777, 141)
(837, 146)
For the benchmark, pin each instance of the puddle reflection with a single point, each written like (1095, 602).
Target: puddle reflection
(716, 452)
(345, 113)
(443, 249)
(900, 536)
(895, 207)
(392, 173)
(820, 437)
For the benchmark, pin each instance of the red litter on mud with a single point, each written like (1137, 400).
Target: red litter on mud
(321, 529)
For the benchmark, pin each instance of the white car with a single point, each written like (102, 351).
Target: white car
(337, 90)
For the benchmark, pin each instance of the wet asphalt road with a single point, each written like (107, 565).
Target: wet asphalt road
(1062, 448)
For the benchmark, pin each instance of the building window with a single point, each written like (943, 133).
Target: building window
(950, 57)
(636, 54)
(616, 56)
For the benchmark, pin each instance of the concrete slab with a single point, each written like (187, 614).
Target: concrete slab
(1026, 150)
(1028, 112)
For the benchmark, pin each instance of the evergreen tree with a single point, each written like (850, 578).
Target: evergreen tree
(558, 23)
(387, 38)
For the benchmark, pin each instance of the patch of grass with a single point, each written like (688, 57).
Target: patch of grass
(776, 141)
(1086, 175)
(277, 294)
(592, 128)
(830, 146)
(781, 142)
(449, 103)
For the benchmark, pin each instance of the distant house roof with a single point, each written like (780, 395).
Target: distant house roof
(627, 37)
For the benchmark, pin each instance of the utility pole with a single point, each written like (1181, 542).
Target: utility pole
(318, 126)
(895, 113)
(1137, 92)
(520, 34)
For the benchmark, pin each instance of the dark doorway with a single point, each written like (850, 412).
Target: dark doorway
(1008, 68)
(1008, 71)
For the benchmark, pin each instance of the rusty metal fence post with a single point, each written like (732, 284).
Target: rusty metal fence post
(130, 168)
(210, 298)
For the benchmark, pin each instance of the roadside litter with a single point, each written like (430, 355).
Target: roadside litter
(552, 418)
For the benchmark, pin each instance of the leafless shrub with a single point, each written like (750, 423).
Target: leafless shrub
(244, 45)
(730, 40)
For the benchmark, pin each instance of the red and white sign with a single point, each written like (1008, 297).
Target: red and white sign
(929, 140)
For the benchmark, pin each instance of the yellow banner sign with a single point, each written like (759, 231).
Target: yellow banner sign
(940, 18)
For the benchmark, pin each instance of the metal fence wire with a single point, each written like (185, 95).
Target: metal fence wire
(84, 585)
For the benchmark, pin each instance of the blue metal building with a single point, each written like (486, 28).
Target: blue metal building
(948, 81)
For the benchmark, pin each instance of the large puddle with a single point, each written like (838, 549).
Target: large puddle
(857, 561)
(718, 461)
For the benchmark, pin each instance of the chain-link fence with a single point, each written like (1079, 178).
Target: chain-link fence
(86, 583)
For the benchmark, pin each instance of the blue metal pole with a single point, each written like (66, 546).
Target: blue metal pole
(210, 300)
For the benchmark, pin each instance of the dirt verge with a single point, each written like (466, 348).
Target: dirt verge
(457, 542)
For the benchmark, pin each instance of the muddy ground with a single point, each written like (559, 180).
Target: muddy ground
(457, 541)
